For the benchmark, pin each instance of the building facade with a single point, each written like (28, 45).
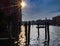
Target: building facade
(56, 20)
(13, 13)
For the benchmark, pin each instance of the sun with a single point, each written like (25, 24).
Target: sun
(23, 4)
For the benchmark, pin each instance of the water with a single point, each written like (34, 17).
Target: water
(22, 38)
(34, 41)
(54, 36)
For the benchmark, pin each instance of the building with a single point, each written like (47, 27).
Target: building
(13, 13)
(56, 20)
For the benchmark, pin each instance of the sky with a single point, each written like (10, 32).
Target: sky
(40, 9)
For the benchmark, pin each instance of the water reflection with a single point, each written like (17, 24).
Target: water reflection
(46, 43)
(54, 36)
(22, 38)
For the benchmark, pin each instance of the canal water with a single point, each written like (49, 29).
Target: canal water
(54, 36)
(34, 41)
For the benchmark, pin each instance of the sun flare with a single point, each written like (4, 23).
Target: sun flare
(23, 4)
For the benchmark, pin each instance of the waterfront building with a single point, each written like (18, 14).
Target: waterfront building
(56, 20)
(12, 13)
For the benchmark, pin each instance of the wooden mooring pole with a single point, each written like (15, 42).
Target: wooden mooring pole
(38, 32)
(29, 26)
(47, 33)
(26, 32)
(38, 27)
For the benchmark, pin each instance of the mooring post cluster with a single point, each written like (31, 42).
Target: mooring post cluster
(27, 32)
(47, 33)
